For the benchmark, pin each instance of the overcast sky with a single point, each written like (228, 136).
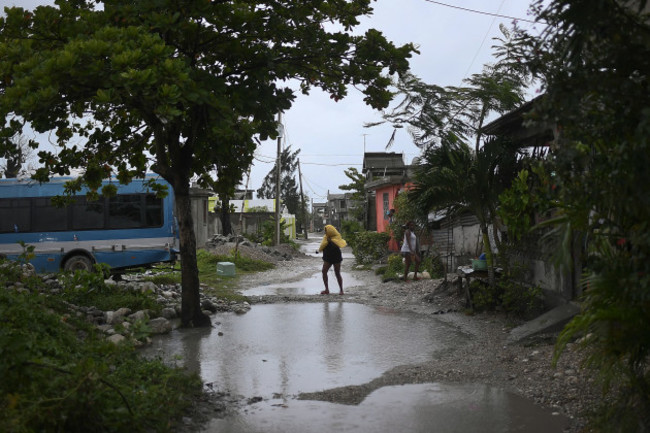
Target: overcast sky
(454, 42)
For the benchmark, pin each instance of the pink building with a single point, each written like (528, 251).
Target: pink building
(386, 175)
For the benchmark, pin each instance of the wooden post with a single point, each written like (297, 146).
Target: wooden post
(302, 200)
(277, 186)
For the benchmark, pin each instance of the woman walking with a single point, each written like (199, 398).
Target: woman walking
(410, 251)
(331, 247)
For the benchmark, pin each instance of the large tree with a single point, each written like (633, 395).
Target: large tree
(288, 186)
(176, 87)
(358, 197)
(445, 121)
(438, 116)
(456, 178)
(16, 153)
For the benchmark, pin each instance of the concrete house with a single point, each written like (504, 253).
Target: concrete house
(386, 175)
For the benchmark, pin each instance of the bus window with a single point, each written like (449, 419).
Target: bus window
(47, 217)
(153, 211)
(124, 212)
(14, 215)
(87, 215)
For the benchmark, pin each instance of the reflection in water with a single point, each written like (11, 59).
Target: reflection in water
(309, 286)
(318, 345)
(333, 325)
(422, 408)
(278, 351)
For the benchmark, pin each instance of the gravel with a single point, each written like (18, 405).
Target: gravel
(523, 368)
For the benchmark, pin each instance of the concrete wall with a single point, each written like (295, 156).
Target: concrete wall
(460, 240)
(252, 223)
(200, 215)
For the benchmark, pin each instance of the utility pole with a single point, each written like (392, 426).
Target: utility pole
(302, 200)
(277, 178)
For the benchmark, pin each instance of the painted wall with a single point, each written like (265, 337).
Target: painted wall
(384, 199)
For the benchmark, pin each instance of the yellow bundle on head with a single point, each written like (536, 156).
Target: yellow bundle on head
(333, 235)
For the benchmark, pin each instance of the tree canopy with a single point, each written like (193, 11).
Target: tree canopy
(178, 87)
(439, 116)
(288, 186)
(358, 190)
(594, 61)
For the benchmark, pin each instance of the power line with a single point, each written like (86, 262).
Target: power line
(483, 41)
(480, 12)
(329, 165)
(311, 188)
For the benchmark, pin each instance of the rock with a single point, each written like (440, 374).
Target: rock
(106, 329)
(242, 308)
(160, 325)
(207, 304)
(148, 287)
(123, 312)
(115, 317)
(139, 315)
(116, 338)
(169, 313)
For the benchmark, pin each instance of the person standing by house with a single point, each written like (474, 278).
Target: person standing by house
(331, 247)
(410, 251)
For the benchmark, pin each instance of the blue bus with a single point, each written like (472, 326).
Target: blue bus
(131, 229)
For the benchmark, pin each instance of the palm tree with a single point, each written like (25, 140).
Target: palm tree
(456, 178)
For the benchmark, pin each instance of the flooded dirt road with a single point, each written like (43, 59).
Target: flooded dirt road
(334, 364)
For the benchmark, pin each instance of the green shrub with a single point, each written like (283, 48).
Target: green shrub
(268, 233)
(485, 297)
(516, 299)
(433, 265)
(521, 301)
(58, 379)
(12, 272)
(369, 247)
(349, 228)
(395, 266)
(88, 289)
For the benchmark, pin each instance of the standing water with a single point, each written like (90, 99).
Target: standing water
(275, 352)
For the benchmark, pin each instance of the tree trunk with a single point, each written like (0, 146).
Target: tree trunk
(191, 314)
(224, 216)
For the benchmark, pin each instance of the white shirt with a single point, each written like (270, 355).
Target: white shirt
(405, 244)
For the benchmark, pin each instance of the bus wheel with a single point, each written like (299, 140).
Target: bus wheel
(78, 263)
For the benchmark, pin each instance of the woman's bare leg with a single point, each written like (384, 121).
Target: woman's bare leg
(326, 268)
(407, 265)
(339, 278)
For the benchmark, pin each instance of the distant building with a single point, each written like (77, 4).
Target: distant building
(340, 207)
(319, 216)
(386, 175)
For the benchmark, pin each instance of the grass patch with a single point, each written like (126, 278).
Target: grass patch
(220, 286)
(225, 287)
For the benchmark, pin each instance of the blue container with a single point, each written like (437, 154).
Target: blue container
(479, 265)
(225, 269)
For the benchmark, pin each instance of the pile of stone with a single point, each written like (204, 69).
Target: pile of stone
(124, 324)
(225, 245)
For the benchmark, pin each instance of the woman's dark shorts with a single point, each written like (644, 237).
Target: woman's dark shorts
(332, 254)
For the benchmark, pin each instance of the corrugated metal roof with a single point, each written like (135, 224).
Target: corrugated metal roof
(382, 160)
